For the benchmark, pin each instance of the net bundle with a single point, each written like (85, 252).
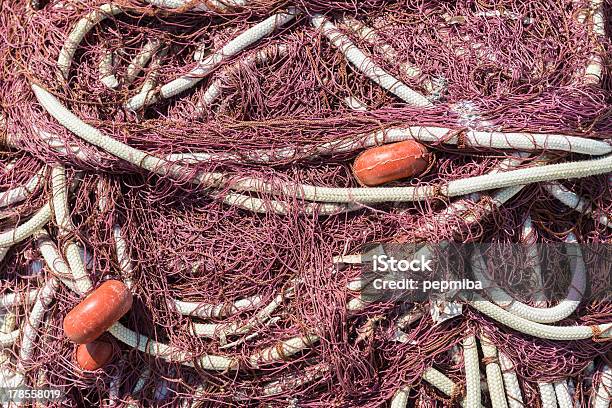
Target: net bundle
(202, 153)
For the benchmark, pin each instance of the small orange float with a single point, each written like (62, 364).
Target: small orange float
(94, 355)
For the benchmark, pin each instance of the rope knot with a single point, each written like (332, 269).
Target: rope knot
(457, 394)
(490, 360)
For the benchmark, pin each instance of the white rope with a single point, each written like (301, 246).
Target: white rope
(217, 311)
(400, 398)
(140, 60)
(291, 382)
(594, 69)
(453, 188)
(472, 372)
(575, 202)
(371, 37)
(54, 261)
(543, 331)
(79, 32)
(282, 350)
(30, 328)
(251, 336)
(442, 383)
(66, 147)
(9, 322)
(511, 384)
(147, 90)
(261, 206)
(525, 141)
(547, 395)
(64, 221)
(25, 230)
(13, 299)
(564, 399)
(142, 380)
(366, 65)
(553, 314)
(170, 353)
(210, 5)
(206, 66)
(105, 70)
(92, 135)
(260, 57)
(113, 390)
(223, 330)
(603, 394)
(123, 257)
(362, 195)
(7, 339)
(61, 209)
(161, 166)
(529, 240)
(495, 380)
(18, 194)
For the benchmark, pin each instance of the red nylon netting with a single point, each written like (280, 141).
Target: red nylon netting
(505, 65)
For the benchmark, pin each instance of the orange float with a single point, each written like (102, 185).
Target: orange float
(391, 162)
(97, 312)
(94, 355)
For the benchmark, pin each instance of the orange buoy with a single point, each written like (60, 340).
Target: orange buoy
(391, 162)
(94, 355)
(97, 312)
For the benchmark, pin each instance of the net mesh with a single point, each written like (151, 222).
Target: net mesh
(491, 66)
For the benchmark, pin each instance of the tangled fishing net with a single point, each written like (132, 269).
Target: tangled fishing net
(201, 152)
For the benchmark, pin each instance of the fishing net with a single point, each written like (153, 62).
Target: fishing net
(212, 223)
